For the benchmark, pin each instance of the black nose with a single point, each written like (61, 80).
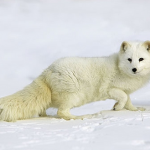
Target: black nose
(134, 69)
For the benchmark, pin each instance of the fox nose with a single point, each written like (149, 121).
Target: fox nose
(134, 70)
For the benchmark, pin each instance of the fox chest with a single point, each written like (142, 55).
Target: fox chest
(128, 85)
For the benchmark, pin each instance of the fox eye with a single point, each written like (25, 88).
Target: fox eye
(141, 59)
(129, 59)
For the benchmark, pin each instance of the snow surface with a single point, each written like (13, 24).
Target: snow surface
(34, 33)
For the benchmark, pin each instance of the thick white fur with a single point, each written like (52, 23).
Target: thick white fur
(72, 82)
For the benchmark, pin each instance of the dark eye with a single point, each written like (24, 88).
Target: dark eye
(129, 59)
(141, 59)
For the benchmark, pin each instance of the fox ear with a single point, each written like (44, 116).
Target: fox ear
(124, 46)
(147, 45)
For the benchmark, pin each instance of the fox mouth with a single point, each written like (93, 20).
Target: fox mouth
(140, 71)
(137, 72)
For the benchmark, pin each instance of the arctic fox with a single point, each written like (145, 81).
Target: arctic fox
(72, 82)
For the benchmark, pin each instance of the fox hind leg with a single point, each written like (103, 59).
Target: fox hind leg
(71, 100)
(43, 113)
(65, 114)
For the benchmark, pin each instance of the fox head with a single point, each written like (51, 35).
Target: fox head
(134, 58)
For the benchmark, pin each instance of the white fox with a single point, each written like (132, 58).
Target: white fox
(72, 82)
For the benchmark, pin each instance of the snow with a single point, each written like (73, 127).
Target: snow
(35, 33)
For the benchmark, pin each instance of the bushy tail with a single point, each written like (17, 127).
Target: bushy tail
(32, 100)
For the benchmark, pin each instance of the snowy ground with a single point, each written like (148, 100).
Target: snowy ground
(34, 33)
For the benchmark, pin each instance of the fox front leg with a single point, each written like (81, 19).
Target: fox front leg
(130, 106)
(120, 96)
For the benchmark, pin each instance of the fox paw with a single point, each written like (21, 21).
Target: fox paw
(141, 108)
(118, 106)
